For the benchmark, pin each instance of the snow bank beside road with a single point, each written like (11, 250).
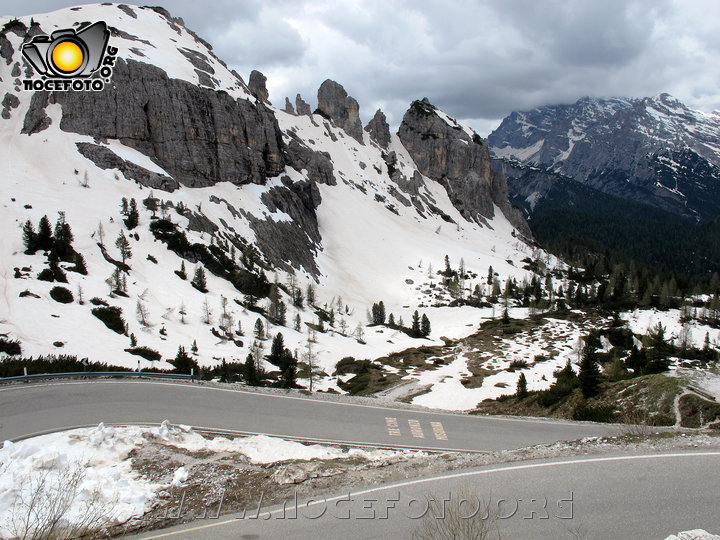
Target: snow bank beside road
(89, 471)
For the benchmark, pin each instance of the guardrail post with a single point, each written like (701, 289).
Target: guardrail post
(25, 373)
(192, 374)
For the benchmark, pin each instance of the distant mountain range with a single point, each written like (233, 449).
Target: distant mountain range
(654, 150)
(653, 164)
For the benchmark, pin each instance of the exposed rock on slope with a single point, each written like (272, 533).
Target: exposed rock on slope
(199, 137)
(458, 159)
(258, 87)
(335, 104)
(378, 129)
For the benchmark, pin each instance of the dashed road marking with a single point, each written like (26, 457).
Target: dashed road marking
(416, 429)
(438, 430)
(392, 426)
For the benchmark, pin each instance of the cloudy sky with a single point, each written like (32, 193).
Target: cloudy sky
(477, 60)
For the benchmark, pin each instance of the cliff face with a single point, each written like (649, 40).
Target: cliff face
(459, 159)
(200, 137)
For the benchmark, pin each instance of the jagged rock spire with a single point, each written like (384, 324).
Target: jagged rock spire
(378, 129)
(301, 106)
(335, 104)
(257, 86)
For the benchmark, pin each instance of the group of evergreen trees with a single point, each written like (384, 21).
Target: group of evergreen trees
(420, 326)
(57, 243)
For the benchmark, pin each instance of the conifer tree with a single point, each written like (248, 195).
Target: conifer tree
(29, 238)
(123, 245)
(521, 386)
(44, 240)
(415, 328)
(259, 329)
(276, 350)
(183, 362)
(80, 267)
(589, 375)
(133, 216)
(310, 294)
(250, 371)
(425, 326)
(199, 280)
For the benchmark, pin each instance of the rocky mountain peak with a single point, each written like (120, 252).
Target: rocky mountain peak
(379, 129)
(335, 103)
(457, 158)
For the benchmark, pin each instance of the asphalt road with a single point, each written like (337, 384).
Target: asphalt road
(619, 497)
(32, 408)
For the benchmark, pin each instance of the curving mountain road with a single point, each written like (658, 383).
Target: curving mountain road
(617, 497)
(33, 408)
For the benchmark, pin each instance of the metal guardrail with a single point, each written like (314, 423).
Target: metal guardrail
(39, 376)
(700, 392)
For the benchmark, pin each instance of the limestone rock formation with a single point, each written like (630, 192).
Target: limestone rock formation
(258, 86)
(227, 140)
(335, 104)
(460, 161)
(288, 106)
(301, 106)
(379, 129)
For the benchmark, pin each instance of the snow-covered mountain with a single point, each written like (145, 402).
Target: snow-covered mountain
(654, 151)
(252, 193)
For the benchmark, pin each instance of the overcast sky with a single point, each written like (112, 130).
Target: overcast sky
(478, 60)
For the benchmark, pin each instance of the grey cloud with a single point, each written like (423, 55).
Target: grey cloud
(479, 60)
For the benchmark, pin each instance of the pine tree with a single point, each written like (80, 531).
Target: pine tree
(415, 328)
(310, 294)
(194, 348)
(124, 246)
(124, 206)
(80, 267)
(44, 240)
(490, 275)
(151, 203)
(250, 372)
(199, 281)
(522, 390)
(183, 363)
(391, 320)
(276, 350)
(259, 329)
(62, 243)
(505, 316)
(589, 375)
(29, 238)
(133, 340)
(425, 326)
(182, 273)
(658, 351)
(276, 308)
(133, 216)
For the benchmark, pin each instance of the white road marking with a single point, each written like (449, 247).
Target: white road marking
(439, 431)
(392, 426)
(416, 429)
